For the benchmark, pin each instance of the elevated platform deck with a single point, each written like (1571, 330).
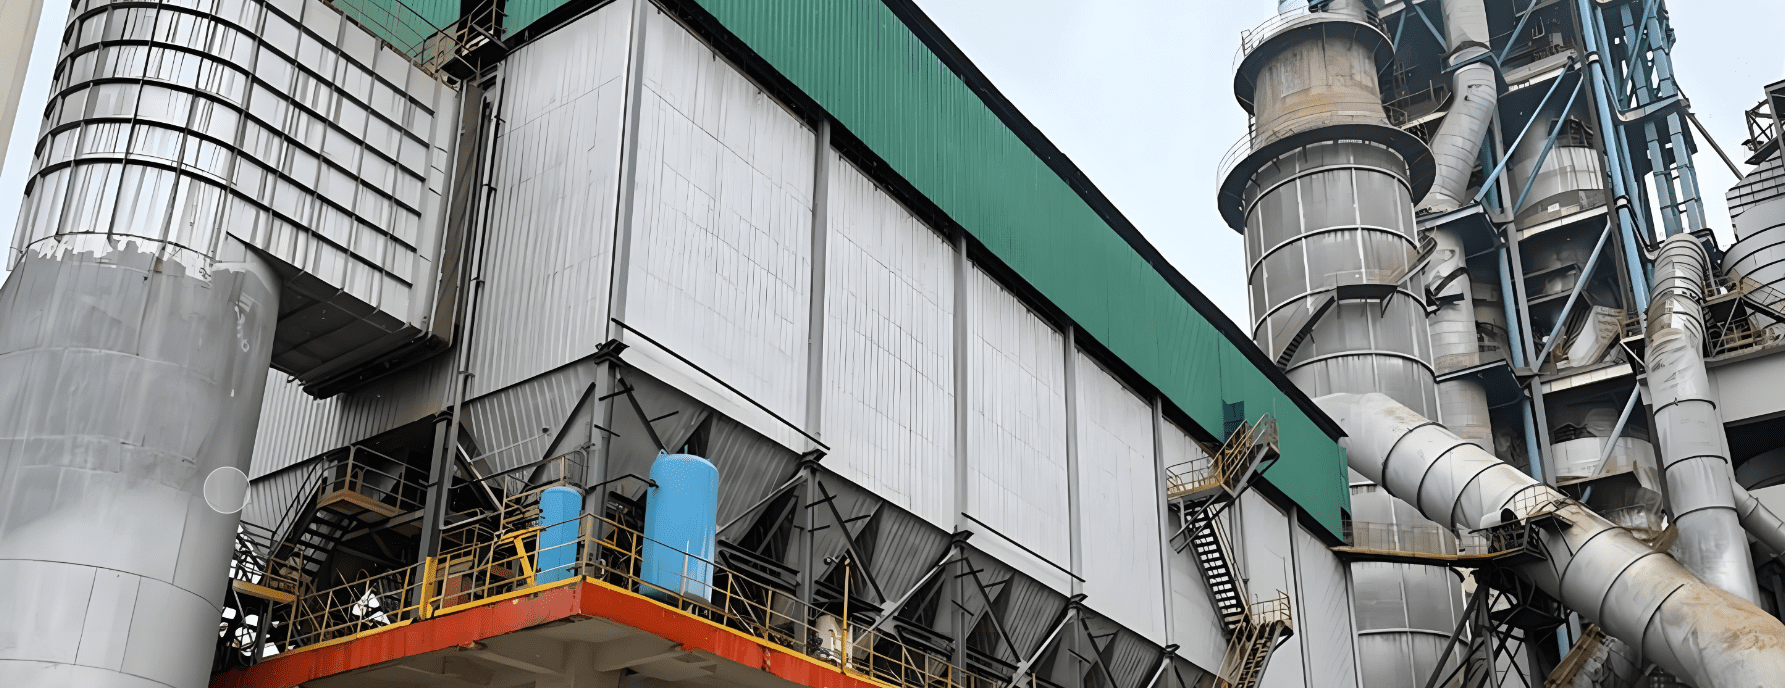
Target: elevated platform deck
(577, 633)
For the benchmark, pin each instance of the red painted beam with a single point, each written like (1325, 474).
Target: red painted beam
(576, 601)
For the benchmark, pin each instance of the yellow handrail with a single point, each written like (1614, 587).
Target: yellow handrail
(504, 565)
(1226, 465)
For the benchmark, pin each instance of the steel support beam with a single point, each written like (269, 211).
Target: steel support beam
(1586, 274)
(1487, 181)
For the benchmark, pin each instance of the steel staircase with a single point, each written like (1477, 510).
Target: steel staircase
(1263, 629)
(1201, 489)
(1215, 560)
(302, 557)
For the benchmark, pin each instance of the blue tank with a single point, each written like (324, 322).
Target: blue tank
(559, 507)
(681, 515)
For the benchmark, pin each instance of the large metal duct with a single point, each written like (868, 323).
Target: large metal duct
(134, 373)
(1694, 451)
(1758, 520)
(1324, 193)
(1455, 148)
(1758, 256)
(1692, 629)
(1455, 342)
(1475, 97)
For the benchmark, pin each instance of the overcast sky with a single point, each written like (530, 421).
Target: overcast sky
(1139, 94)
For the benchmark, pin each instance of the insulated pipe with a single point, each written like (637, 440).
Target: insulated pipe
(1694, 453)
(1608, 136)
(1456, 344)
(1692, 629)
(1455, 148)
(1476, 95)
(1758, 520)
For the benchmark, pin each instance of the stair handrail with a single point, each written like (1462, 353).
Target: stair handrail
(1233, 574)
(1226, 464)
(409, 495)
(308, 488)
(1232, 459)
(1248, 653)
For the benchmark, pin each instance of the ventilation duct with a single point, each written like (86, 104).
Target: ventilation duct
(1694, 451)
(1692, 629)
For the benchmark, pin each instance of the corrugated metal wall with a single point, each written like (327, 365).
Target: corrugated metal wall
(860, 61)
(295, 426)
(515, 426)
(720, 270)
(1017, 424)
(888, 349)
(1262, 543)
(551, 222)
(1323, 612)
(1118, 483)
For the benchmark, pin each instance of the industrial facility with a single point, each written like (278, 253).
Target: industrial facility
(703, 343)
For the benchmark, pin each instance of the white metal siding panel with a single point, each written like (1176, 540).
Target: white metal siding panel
(1016, 425)
(889, 353)
(1323, 614)
(1264, 540)
(720, 270)
(295, 426)
(551, 223)
(1196, 627)
(1118, 489)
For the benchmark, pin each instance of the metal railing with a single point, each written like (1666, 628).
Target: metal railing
(607, 551)
(1249, 648)
(1432, 540)
(252, 562)
(391, 484)
(1225, 466)
(431, 47)
(1251, 38)
(1739, 335)
(1253, 140)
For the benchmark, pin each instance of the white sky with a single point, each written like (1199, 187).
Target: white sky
(1139, 94)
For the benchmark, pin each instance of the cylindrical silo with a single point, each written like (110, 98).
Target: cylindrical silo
(134, 370)
(1758, 258)
(681, 513)
(1324, 190)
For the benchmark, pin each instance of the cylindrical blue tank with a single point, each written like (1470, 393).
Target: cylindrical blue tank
(559, 507)
(680, 520)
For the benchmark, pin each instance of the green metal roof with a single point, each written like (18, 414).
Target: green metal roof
(893, 81)
(865, 63)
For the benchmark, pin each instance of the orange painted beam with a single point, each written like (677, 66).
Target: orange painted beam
(586, 599)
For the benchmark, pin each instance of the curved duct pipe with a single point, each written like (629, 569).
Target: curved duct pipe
(1693, 630)
(1694, 456)
(1475, 96)
(1758, 520)
(1455, 148)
